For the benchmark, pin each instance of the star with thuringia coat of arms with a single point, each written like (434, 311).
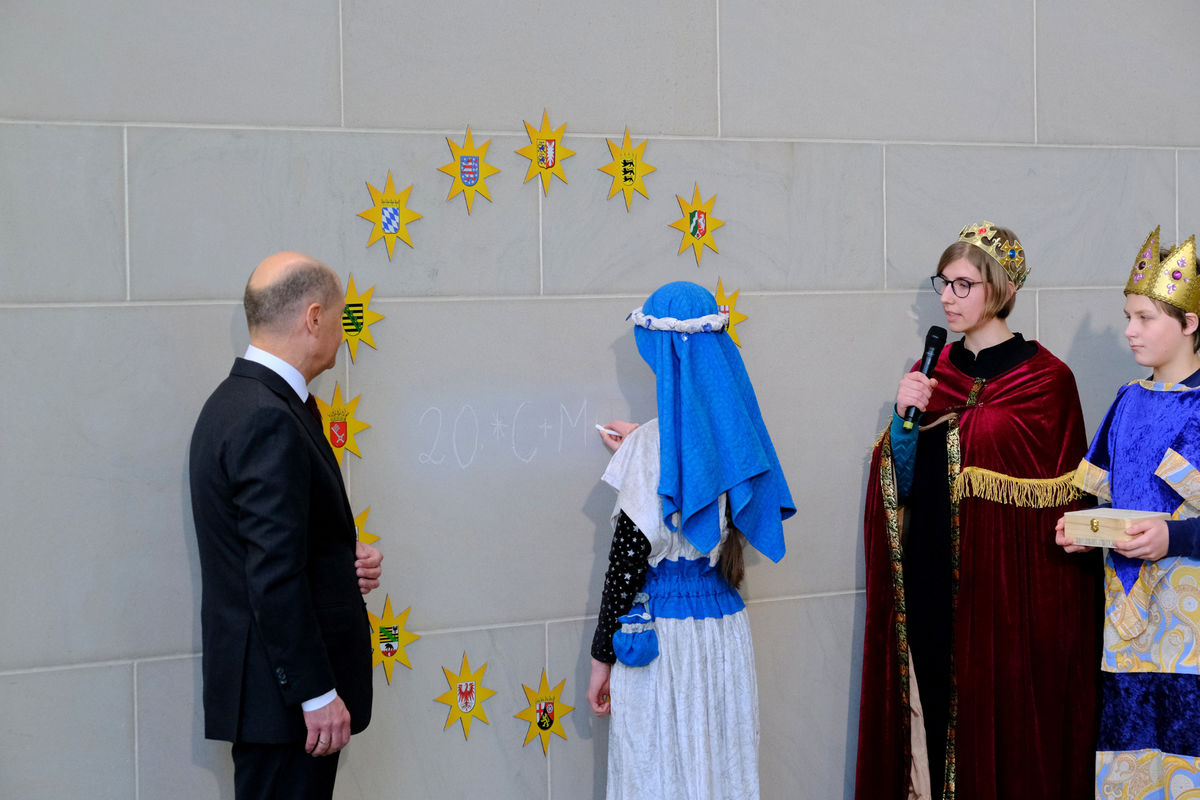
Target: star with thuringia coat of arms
(339, 423)
(725, 305)
(627, 169)
(360, 527)
(545, 152)
(465, 697)
(390, 214)
(697, 223)
(389, 638)
(545, 712)
(469, 170)
(357, 318)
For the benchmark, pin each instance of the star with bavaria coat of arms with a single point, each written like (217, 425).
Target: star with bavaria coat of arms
(390, 214)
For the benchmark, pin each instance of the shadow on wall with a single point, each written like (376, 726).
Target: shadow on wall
(1102, 363)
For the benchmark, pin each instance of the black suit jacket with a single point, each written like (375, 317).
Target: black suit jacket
(282, 616)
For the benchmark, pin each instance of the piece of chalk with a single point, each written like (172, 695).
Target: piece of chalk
(609, 431)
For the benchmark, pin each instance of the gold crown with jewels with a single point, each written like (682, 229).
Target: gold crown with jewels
(1172, 279)
(1009, 254)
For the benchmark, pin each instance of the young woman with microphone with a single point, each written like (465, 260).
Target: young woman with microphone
(981, 640)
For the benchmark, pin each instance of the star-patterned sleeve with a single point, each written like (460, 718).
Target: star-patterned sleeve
(627, 565)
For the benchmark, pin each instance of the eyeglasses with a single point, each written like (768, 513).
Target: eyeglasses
(960, 286)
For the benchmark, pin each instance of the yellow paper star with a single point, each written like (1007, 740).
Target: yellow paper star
(465, 697)
(627, 169)
(390, 214)
(468, 169)
(545, 152)
(340, 424)
(360, 527)
(545, 712)
(357, 318)
(726, 304)
(389, 639)
(697, 223)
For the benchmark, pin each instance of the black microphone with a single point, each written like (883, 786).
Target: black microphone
(934, 341)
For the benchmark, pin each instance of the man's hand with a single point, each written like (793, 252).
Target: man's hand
(368, 565)
(328, 728)
(1150, 540)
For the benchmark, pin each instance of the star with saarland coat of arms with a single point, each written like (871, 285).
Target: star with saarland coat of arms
(339, 423)
(545, 712)
(389, 638)
(545, 152)
(466, 696)
(469, 170)
(697, 223)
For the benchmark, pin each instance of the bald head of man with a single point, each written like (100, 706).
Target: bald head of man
(294, 309)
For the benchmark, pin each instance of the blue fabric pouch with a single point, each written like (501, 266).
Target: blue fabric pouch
(635, 643)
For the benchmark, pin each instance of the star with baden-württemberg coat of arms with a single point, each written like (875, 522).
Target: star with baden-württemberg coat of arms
(727, 304)
(545, 712)
(468, 169)
(389, 638)
(357, 318)
(465, 697)
(545, 152)
(390, 214)
(339, 423)
(697, 223)
(627, 169)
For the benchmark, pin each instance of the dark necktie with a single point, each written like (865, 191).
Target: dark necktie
(311, 405)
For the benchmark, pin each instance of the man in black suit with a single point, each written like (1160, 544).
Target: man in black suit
(287, 645)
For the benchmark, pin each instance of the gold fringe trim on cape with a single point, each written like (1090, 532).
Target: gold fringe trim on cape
(1023, 492)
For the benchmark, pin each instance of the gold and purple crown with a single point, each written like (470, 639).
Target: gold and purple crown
(1009, 254)
(1172, 279)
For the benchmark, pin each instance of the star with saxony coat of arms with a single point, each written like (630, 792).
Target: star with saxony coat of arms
(465, 697)
(697, 223)
(545, 712)
(339, 423)
(357, 318)
(468, 169)
(726, 304)
(627, 169)
(545, 152)
(389, 638)
(390, 214)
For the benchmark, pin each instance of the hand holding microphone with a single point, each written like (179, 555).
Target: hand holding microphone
(917, 387)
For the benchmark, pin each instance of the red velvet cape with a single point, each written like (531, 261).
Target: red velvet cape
(1026, 644)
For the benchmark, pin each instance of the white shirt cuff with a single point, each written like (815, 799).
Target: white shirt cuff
(319, 702)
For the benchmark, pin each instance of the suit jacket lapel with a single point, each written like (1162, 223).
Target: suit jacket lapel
(280, 387)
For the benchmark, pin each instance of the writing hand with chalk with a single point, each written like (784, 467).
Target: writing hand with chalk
(615, 432)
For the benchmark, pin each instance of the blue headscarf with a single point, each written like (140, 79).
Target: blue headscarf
(712, 439)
